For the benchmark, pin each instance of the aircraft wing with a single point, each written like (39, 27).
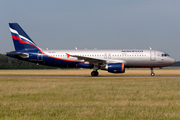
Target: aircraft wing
(95, 61)
(90, 60)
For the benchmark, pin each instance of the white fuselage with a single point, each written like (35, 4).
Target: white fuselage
(130, 57)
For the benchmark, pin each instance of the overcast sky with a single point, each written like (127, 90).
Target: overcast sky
(101, 24)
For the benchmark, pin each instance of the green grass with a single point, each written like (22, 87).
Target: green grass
(89, 98)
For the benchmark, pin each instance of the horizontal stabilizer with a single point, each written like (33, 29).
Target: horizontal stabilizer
(22, 55)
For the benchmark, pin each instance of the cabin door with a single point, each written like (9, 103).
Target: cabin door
(40, 56)
(152, 55)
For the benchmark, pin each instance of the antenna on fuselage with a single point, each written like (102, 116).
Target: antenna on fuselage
(75, 48)
(150, 48)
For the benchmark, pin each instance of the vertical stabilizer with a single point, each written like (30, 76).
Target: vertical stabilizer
(21, 40)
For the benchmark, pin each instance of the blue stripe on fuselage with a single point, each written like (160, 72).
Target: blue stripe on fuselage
(47, 60)
(57, 62)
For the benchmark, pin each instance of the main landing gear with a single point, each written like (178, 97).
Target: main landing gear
(152, 73)
(94, 73)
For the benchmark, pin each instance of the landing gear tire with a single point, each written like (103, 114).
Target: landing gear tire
(152, 74)
(94, 73)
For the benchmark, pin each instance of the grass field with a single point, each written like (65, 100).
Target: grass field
(89, 97)
(87, 72)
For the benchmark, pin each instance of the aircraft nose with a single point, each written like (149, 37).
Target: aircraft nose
(172, 61)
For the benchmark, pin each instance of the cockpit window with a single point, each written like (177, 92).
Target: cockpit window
(164, 55)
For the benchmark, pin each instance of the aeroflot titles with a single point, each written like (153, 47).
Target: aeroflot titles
(132, 51)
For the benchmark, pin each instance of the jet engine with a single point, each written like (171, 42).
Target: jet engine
(115, 68)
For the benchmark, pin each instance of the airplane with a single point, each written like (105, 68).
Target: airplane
(113, 61)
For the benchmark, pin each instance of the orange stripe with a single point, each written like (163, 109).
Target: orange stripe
(60, 58)
(122, 67)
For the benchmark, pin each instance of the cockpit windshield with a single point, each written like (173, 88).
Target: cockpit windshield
(164, 55)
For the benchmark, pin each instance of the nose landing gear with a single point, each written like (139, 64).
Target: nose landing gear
(152, 73)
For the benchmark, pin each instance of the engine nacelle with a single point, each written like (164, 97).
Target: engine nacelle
(83, 65)
(115, 67)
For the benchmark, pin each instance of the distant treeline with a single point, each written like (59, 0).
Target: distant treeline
(12, 63)
(177, 64)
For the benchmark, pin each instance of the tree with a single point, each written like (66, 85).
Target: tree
(12, 63)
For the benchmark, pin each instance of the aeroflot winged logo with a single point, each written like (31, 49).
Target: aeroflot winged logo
(20, 38)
